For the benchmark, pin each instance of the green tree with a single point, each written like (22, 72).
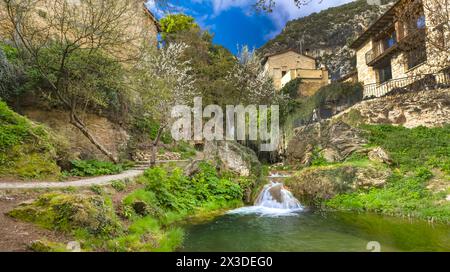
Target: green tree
(176, 23)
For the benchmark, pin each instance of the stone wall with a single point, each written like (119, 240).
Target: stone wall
(112, 136)
(425, 108)
(366, 74)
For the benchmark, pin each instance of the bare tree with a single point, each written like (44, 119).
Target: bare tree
(71, 44)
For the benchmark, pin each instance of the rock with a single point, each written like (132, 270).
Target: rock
(338, 140)
(140, 207)
(275, 192)
(410, 109)
(331, 155)
(231, 156)
(73, 246)
(315, 184)
(379, 155)
(67, 212)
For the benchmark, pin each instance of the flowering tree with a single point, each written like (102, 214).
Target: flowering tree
(163, 81)
(253, 85)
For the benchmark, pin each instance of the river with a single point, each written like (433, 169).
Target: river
(284, 226)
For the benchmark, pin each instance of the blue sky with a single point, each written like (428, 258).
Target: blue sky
(235, 22)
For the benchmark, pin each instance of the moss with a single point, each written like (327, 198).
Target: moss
(27, 150)
(48, 246)
(68, 212)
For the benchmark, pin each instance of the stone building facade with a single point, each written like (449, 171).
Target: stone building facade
(142, 26)
(407, 46)
(288, 65)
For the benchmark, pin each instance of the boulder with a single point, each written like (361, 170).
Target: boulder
(314, 185)
(68, 212)
(232, 156)
(379, 155)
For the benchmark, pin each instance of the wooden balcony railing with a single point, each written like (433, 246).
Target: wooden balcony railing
(408, 84)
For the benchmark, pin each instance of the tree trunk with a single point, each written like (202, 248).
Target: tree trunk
(75, 121)
(155, 146)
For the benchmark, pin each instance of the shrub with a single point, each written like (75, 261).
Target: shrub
(85, 168)
(118, 185)
(176, 192)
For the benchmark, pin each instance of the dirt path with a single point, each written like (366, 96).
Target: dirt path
(104, 180)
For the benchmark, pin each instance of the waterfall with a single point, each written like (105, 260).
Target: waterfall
(274, 200)
(274, 195)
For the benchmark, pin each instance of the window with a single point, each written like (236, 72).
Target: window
(390, 41)
(421, 22)
(385, 73)
(416, 56)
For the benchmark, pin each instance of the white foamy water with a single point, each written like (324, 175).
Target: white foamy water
(274, 200)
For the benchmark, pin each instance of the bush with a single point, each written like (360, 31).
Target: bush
(87, 168)
(179, 193)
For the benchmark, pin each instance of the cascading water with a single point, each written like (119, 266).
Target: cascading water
(274, 195)
(274, 200)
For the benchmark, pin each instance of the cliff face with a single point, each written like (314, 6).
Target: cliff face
(327, 34)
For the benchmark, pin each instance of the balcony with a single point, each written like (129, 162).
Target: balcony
(408, 84)
(377, 54)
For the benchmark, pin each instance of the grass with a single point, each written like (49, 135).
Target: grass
(416, 154)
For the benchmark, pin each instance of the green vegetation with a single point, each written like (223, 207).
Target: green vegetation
(176, 23)
(71, 212)
(420, 159)
(148, 212)
(403, 195)
(413, 148)
(27, 150)
(333, 94)
(88, 168)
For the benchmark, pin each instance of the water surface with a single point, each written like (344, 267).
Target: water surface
(251, 230)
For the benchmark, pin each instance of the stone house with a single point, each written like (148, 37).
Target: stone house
(142, 28)
(405, 49)
(288, 65)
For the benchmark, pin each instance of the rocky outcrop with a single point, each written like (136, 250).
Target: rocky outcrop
(313, 185)
(232, 156)
(110, 135)
(426, 108)
(336, 140)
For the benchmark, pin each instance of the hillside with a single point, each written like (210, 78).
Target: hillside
(328, 33)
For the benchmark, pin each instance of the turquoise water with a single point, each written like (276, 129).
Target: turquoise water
(309, 231)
